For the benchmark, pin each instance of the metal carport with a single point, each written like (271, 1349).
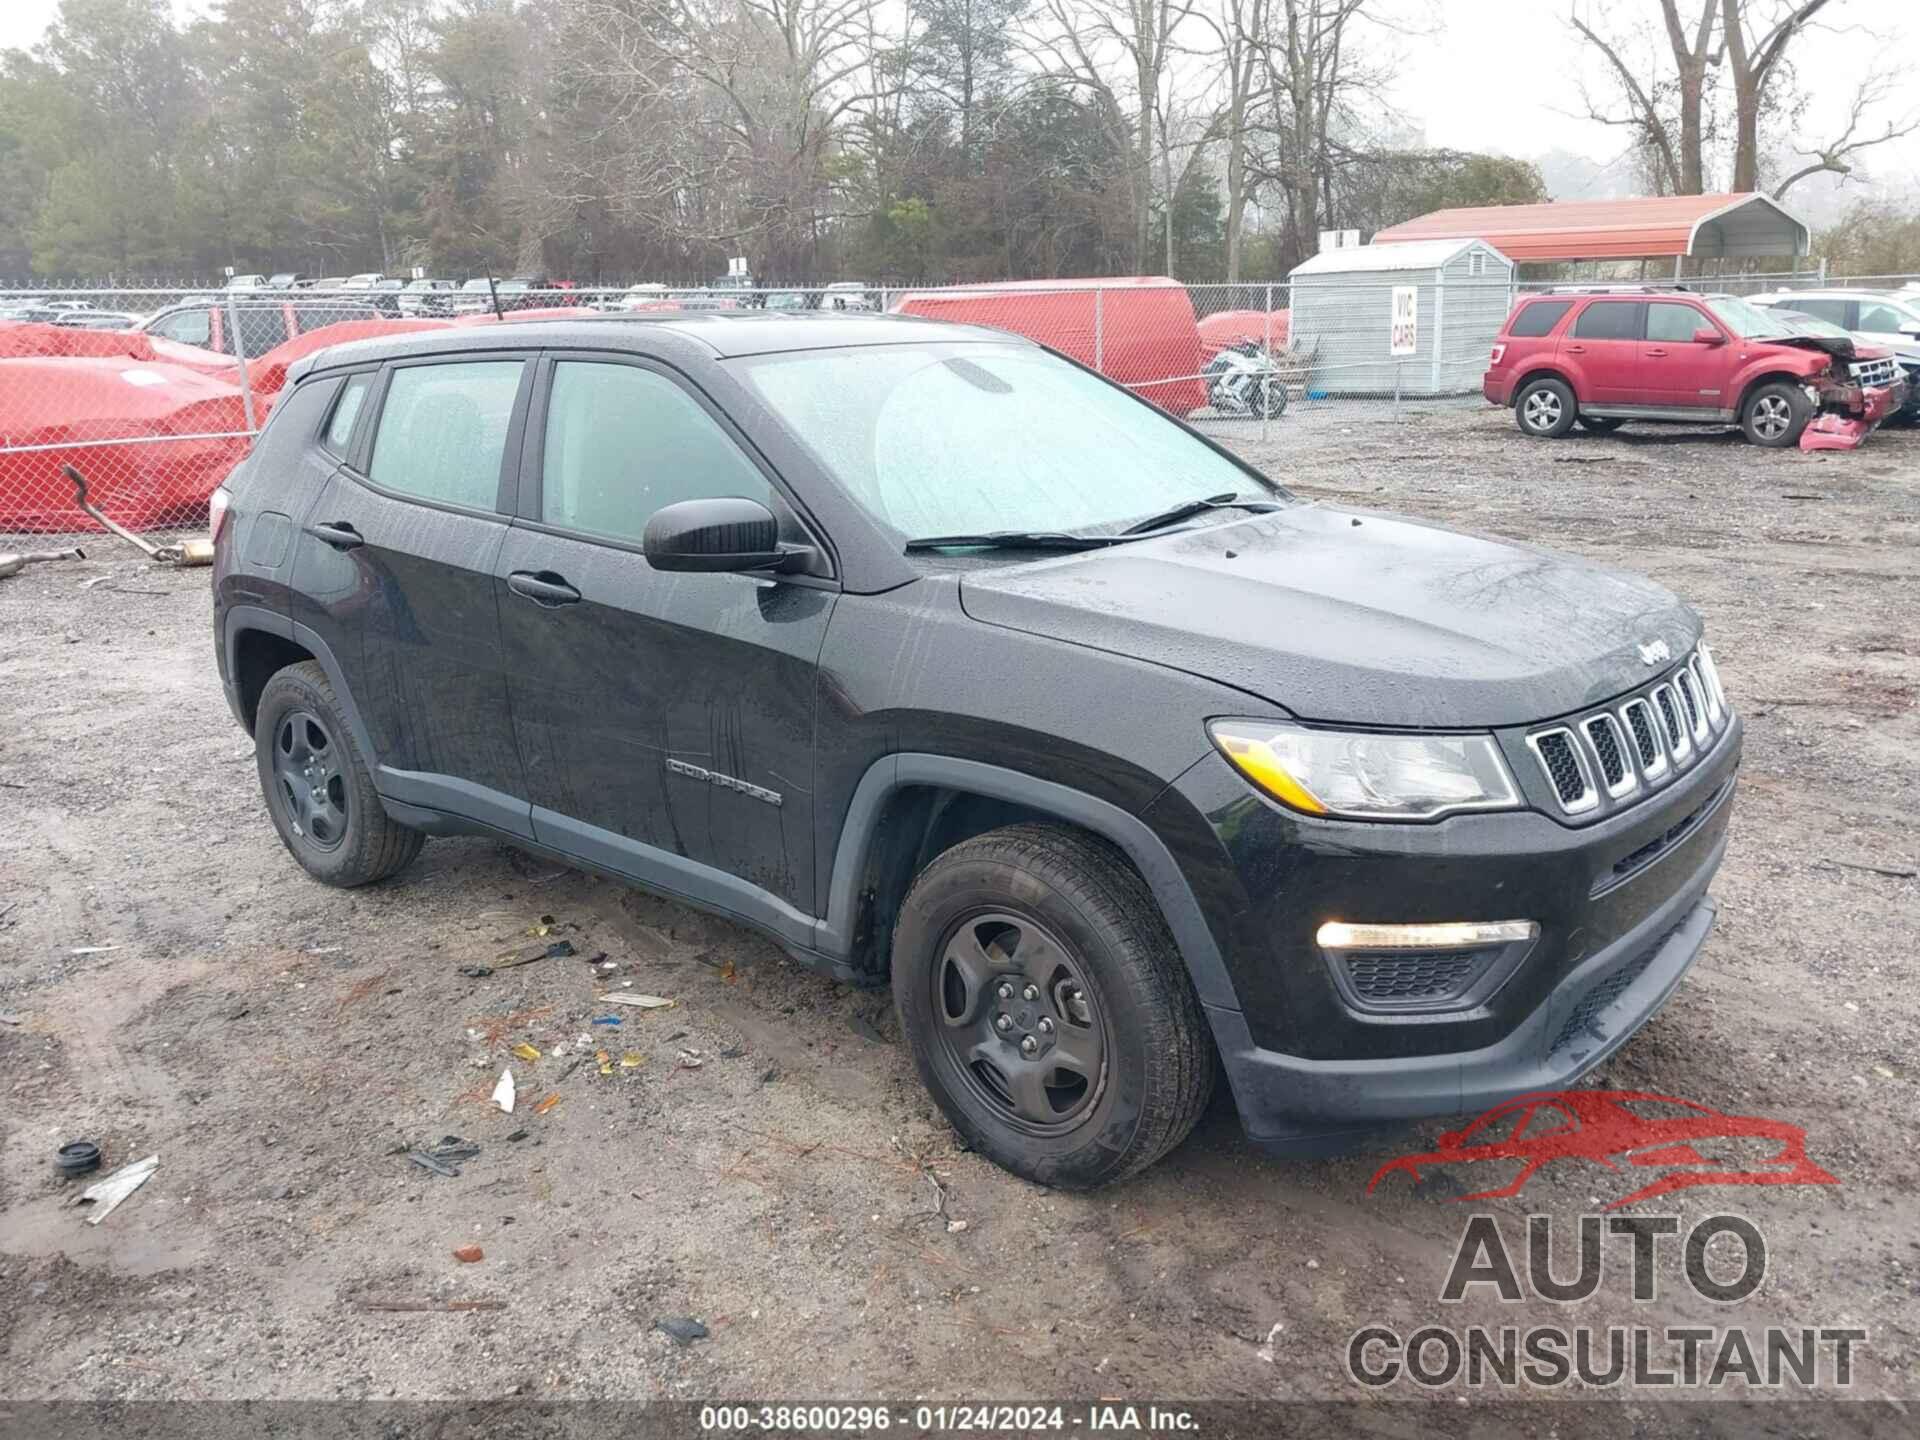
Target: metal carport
(1709, 227)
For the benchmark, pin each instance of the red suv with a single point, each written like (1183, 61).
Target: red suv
(1603, 357)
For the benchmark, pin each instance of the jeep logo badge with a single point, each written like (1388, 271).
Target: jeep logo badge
(1655, 652)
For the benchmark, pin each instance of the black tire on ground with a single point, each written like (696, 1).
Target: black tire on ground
(1775, 414)
(1600, 424)
(317, 786)
(1051, 931)
(1545, 409)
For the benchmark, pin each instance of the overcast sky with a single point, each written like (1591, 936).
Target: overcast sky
(1498, 75)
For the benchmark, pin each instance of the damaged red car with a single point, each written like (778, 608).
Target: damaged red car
(1601, 357)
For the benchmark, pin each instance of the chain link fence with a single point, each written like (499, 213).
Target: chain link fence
(153, 395)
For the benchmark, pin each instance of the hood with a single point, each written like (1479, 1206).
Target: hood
(1353, 617)
(1834, 345)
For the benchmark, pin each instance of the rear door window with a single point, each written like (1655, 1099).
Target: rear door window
(188, 327)
(1879, 319)
(443, 431)
(1538, 318)
(1672, 323)
(1609, 320)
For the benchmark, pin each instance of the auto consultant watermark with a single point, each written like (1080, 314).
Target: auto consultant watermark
(1650, 1145)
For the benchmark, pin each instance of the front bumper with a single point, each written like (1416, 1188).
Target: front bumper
(1617, 932)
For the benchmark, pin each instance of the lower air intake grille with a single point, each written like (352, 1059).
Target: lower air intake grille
(1605, 992)
(1413, 974)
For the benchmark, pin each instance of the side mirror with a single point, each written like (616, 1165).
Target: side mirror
(1707, 335)
(723, 534)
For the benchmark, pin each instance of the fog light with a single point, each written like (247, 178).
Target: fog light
(1446, 935)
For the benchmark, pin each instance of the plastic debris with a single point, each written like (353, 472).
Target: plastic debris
(690, 1060)
(607, 1020)
(78, 1157)
(526, 1051)
(469, 1254)
(107, 1194)
(681, 1329)
(604, 1061)
(556, 951)
(644, 1002)
(503, 1093)
(92, 949)
(632, 1060)
(476, 972)
(444, 1157)
(547, 1103)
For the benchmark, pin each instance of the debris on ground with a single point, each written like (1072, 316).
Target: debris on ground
(643, 1002)
(469, 1254)
(864, 1027)
(733, 1052)
(690, 1060)
(444, 1157)
(681, 1329)
(107, 1194)
(1266, 1351)
(12, 1017)
(604, 1060)
(632, 1060)
(476, 972)
(503, 1092)
(14, 562)
(525, 1051)
(78, 1157)
(559, 950)
(956, 1227)
(607, 1020)
(547, 1103)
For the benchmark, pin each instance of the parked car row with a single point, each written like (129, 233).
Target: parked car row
(1602, 356)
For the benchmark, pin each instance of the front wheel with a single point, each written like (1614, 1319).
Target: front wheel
(1046, 1006)
(1775, 414)
(1545, 409)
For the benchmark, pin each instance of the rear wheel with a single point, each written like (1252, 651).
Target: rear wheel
(1775, 414)
(1545, 409)
(1047, 1008)
(317, 787)
(1600, 424)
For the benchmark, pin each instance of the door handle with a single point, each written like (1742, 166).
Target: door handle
(337, 533)
(1576, 349)
(543, 587)
(1656, 352)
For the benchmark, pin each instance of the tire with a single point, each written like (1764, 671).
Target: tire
(1276, 397)
(1545, 409)
(1064, 912)
(317, 786)
(1775, 414)
(1600, 424)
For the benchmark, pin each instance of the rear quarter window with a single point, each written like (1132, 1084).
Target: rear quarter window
(1538, 318)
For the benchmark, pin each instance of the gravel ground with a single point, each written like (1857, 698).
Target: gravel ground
(172, 984)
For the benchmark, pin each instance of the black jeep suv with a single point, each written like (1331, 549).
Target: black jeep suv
(942, 660)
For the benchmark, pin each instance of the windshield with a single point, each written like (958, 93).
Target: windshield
(1749, 322)
(946, 439)
(480, 284)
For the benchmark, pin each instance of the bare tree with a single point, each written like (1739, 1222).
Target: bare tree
(1837, 155)
(1757, 35)
(1238, 27)
(1672, 139)
(1120, 51)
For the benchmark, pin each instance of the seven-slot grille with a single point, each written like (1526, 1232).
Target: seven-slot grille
(1626, 749)
(1875, 372)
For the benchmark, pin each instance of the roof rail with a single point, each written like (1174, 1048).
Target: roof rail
(1622, 289)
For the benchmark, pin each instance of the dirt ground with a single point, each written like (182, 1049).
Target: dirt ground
(172, 984)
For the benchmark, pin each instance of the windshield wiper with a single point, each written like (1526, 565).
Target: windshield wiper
(1191, 508)
(1012, 540)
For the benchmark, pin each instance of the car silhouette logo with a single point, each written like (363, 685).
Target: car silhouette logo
(1623, 1131)
(1655, 652)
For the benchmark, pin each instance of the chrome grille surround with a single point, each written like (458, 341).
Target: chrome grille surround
(1623, 751)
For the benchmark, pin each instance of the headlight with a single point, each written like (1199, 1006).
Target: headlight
(1368, 777)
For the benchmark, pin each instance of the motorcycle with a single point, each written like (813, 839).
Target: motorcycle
(1244, 380)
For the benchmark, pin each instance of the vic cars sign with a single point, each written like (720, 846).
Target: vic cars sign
(1404, 337)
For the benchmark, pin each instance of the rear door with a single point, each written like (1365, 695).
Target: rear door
(1677, 370)
(1602, 348)
(1883, 322)
(398, 569)
(661, 717)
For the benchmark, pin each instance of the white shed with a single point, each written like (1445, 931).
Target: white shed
(1408, 319)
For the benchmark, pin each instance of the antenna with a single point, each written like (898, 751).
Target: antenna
(494, 291)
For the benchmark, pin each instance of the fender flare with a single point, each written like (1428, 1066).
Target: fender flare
(256, 617)
(1135, 838)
